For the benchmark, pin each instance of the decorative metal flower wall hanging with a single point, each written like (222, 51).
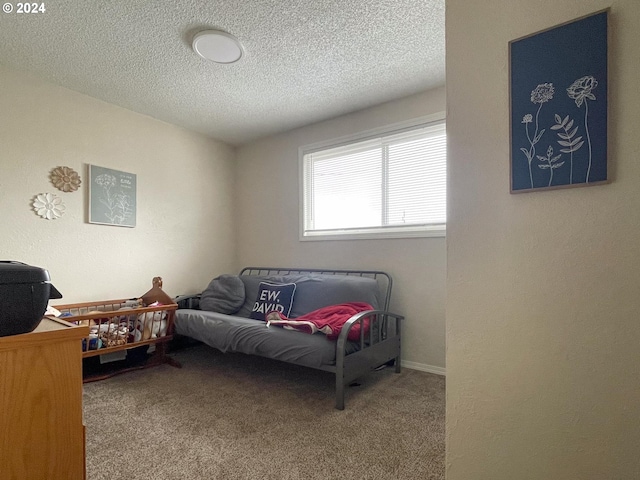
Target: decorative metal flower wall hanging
(48, 206)
(65, 179)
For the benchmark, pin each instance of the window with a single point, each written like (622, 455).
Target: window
(392, 184)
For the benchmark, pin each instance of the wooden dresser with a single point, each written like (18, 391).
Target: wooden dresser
(41, 430)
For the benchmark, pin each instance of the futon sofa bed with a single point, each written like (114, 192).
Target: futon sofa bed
(332, 320)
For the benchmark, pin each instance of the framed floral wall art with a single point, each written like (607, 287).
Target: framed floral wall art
(112, 197)
(558, 100)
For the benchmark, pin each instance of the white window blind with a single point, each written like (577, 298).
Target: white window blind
(392, 183)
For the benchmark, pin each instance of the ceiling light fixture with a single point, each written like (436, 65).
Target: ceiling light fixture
(217, 46)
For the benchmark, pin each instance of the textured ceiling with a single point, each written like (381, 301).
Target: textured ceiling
(304, 60)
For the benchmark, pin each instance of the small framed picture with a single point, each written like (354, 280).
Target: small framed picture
(112, 197)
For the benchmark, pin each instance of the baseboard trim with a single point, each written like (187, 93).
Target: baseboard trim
(424, 368)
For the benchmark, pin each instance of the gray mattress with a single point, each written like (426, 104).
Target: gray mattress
(253, 337)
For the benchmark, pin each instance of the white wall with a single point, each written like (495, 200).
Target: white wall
(543, 288)
(184, 228)
(267, 200)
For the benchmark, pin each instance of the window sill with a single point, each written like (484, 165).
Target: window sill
(374, 234)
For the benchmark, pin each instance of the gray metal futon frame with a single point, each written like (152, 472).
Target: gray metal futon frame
(379, 346)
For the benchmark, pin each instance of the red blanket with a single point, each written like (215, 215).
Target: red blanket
(328, 320)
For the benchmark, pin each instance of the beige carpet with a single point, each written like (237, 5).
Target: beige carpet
(232, 416)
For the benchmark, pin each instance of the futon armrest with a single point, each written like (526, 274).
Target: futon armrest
(379, 327)
(188, 301)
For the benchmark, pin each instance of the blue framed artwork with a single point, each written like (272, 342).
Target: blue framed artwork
(112, 197)
(558, 100)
